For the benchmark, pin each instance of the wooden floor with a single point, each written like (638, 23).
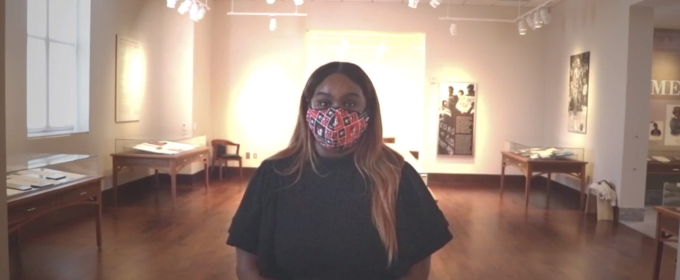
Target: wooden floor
(494, 238)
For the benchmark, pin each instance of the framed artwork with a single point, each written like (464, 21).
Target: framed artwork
(656, 129)
(578, 92)
(672, 129)
(129, 78)
(456, 130)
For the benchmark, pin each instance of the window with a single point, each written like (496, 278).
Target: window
(57, 67)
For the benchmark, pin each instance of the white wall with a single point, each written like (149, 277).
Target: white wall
(264, 74)
(167, 40)
(602, 27)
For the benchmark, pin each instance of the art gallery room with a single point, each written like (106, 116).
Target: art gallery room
(340, 139)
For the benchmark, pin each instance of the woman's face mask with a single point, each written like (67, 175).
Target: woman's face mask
(336, 129)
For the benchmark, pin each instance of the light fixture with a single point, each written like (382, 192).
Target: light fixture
(453, 29)
(545, 15)
(172, 3)
(522, 28)
(184, 7)
(530, 22)
(193, 12)
(434, 3)
(201, 13)
(298, 2)
(413, 3)
(537, 20)
(272, 24)
(270, 2)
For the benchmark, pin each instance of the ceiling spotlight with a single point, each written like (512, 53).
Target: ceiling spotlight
(201, 13)
(453, 29)
(413, 3)
(434, 3)
(272, 24)
(530, 22)
(193, 12)
(184, 7)
(537, 20)
(270, 2)
(172, 3)
(298, 2)
(522, 28)
(545, 15)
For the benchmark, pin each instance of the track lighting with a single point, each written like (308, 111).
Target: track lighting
(413, 3)
(434, 3)
(545, 15)
(453, 29)
(272, 24)
(522, 28)
(537, 20)
(298, 2)
(184, 7)
(196, 8)
(530, 22)
(270, 2)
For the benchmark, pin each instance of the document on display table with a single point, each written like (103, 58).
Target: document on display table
(164, 147)
(11, 192)
(50, 174)
(661, 159)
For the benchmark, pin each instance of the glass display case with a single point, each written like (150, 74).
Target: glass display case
(664, 156)
(27, 173)
(160, 146)
(544, 152)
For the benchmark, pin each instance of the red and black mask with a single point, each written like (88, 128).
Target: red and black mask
(337, 129)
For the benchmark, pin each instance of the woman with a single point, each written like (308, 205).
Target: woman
(337, 203)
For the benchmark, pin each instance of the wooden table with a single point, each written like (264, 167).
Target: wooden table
(171, 163)
(667, 224)
(536, 167)
(26, 207)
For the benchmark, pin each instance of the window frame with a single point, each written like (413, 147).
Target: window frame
(74, 128)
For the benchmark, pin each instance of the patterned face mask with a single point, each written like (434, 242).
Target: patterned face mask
(336, 129)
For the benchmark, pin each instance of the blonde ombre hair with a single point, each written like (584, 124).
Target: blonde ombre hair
(379, 165)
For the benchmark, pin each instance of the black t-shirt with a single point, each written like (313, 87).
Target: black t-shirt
(320, 227)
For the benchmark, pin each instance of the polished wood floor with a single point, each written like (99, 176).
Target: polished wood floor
(495, 238)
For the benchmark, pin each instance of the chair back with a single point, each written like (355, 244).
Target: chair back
(221, 147)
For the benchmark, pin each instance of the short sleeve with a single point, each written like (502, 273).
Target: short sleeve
(244, 231)
(422, 228)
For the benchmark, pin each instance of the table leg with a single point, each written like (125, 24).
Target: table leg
(502, 175)
(114, 179)
(527, 187)
(173, 184)
(659, 248)
(98, 219)
(549, 184)
(583, 184)
(207, 178)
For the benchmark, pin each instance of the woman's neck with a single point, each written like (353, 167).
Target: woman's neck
(321, 151)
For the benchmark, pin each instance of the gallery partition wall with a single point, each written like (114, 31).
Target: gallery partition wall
(395, 62)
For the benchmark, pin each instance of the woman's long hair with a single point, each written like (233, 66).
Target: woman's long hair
(379, 165)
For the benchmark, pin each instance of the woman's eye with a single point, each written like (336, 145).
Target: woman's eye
(323, 104)
(350, 104)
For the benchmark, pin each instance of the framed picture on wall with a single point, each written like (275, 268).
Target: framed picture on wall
(578, 92)
(456, 109)
(129, 83)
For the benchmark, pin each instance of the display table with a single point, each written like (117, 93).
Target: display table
(172, 163)
(667, 223)
(26, 207)
(536, 167)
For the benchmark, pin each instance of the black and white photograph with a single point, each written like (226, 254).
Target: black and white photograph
(578, 92)
(456, 119)
(656, 130)
(672, 133)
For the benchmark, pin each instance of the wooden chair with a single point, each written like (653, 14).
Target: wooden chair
(222, 157)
